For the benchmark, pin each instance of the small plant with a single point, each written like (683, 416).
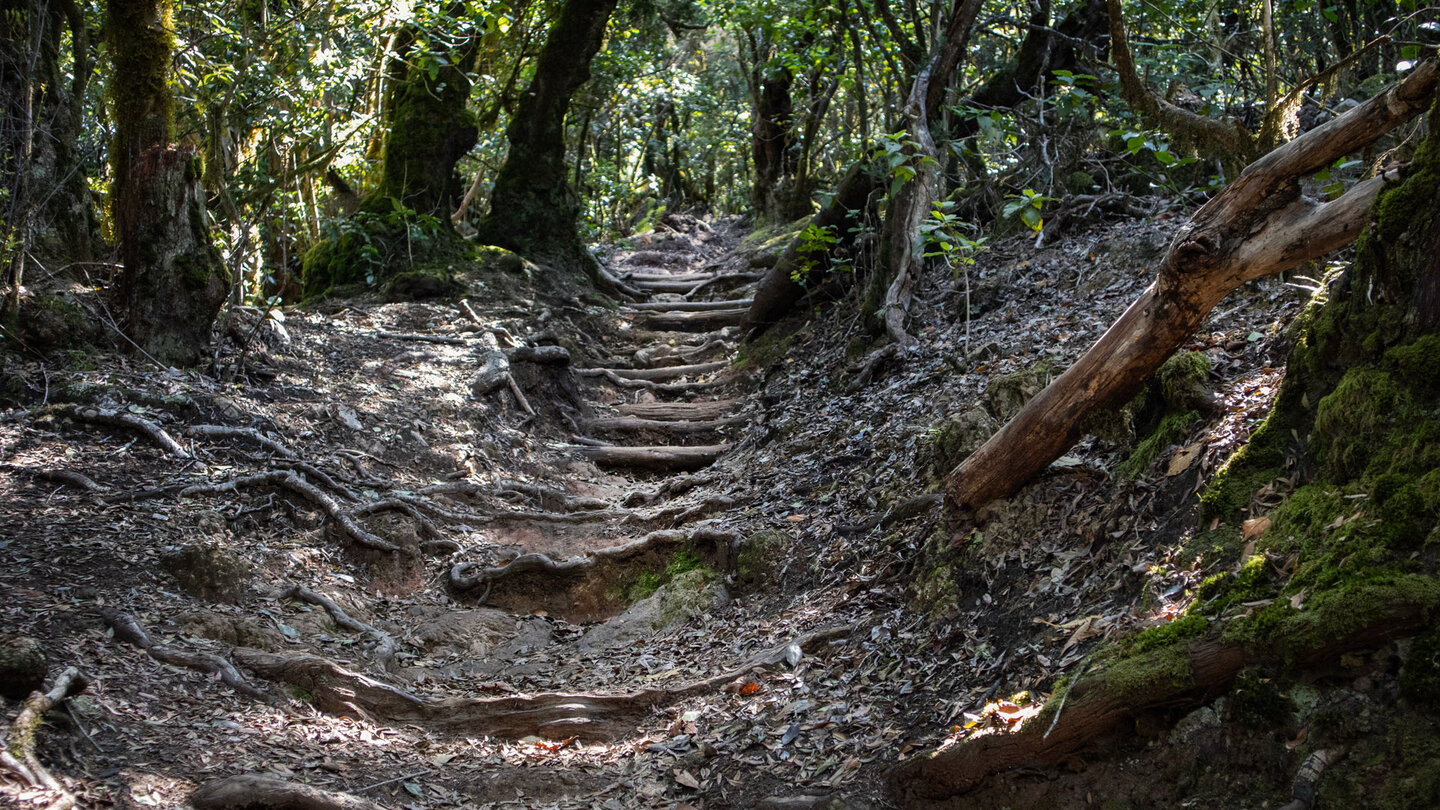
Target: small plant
(815, 244)
(1027, 205)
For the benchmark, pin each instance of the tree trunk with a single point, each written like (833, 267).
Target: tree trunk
(1257, 226)
(430, 127)
(533, 209)
(772, 137)
(174, 281)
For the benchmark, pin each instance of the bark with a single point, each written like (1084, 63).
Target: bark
(1096, 706)
(782, 285)
(661, 459)
(430, 127)
(911, 204)
(772, 137)
(1257, 226)
(174, 281)
(533, 209)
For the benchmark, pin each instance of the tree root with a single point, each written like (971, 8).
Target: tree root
(385, 644)
(74, 479)
(297, 484)
(656, 374)
(253, 791)
(549, 715)
(680, 411)
(248, 434)
(465, 577)
(1098, 704)
(659, 388)
(691, 306)
(1307, 781)
(549, 498)
(691, 321)
(114, 417)
(630, 424)
(663, 458)
(129, 630)
(18, 751)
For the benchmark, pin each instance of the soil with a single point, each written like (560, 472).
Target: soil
(910, 626)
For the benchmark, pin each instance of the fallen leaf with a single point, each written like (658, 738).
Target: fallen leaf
(687, 779)
(1254, 527)
(1183, 458)
(796, 518)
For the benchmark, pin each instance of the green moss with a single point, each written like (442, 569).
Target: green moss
(688, 594)
(765, 351)
(1170, 431)
(1008, 393)
(1166, 664)
(1420, 676)
(1153, 638)
(1182, 380)
(1257, 701)
(645, 584)
(762, 556)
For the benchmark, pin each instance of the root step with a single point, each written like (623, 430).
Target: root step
(663, 458)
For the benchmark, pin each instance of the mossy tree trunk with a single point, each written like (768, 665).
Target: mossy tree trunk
(174, 282)
(533, 209)
(429, 126)
(40, 124)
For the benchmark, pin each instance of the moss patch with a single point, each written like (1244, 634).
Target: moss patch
(762, 556)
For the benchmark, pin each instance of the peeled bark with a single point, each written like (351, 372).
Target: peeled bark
(1257, 226)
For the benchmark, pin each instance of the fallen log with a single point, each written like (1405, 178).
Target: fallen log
(1257, 226)
(1102, 701)
(632, 424)
(662, 458)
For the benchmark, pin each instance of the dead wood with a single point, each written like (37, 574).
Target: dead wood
(385, 644)
(114, 417)
(1096, 706)
(652, 278)
(1257, 226)
(553, 715)
(691, 321)
(680, 411)
(255, 791)
(17, 750)
(724, 278)
(129, 630)
(544, 355)
(666, 355)
(661, 458)
(669, 286)
(248, 434)
(692, 306)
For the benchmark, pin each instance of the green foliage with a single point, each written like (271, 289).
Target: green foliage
(816, 242)
(1027, 207)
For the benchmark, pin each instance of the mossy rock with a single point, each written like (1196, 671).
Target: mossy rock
(424, 284)
(687, 595)
(1184, 384)
(206, 571)
(22, 666)
(1007, 394)
(762, 556)
(935, 593)
(959, 436)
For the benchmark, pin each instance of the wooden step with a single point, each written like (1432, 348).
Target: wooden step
(634, 424)
(693, 306)
(692, 321)
(664, 458)
(668, 286)
(680, 411)
(656, 374)
(650, 278)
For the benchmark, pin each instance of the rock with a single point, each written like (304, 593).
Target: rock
(762, 555)
(959, 436)
(22, 667)
(206, 571)
(467, 633)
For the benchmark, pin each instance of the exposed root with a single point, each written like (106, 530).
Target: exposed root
(114, 417)
(667, 355)
(465, 576)
(297, 484)
(631, 424)
(692, 321)
(661, 458)
(253, 792)
(385, 645)
(691, 306)
(551, 715)
(248, 434)
(549, 498)
(1307, 781)
(129, 630)
(17, 753)
(897, 513)
(680, 411)
(74, 479)
(659, 388)
(656, 374)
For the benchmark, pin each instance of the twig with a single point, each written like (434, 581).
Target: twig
(445, 341)
(1068, 687)
(415, 775)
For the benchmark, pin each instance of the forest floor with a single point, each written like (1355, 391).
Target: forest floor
(699, 578)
